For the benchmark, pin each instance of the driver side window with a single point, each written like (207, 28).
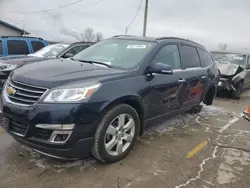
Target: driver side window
(169, 54)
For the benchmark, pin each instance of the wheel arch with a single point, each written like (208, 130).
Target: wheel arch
(132, 100)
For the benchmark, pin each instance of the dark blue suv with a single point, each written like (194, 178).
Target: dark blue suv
(101, 99)
(20, 45)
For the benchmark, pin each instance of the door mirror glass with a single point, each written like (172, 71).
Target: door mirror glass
(160, 68)
(68, 55)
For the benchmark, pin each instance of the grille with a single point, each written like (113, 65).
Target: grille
(24, 94)
(42, 134)
(18, 128)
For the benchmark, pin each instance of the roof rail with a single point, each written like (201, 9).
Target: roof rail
(22, 37)
(124, 36)
(162, 38)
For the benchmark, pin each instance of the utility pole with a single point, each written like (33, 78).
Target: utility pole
(126, 31)
(145, 19)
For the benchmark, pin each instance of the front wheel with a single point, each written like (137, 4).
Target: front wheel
(116, 134)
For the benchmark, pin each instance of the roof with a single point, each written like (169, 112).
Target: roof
(159, 39)
(13, 27)
(229, 52)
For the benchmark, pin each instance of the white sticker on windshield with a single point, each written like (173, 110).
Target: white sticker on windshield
(136, 46)
(238, 58)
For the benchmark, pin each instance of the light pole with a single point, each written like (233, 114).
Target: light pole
(145, 19)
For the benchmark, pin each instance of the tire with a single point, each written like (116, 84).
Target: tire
(239, 89)
(102, 149)
(196, 109)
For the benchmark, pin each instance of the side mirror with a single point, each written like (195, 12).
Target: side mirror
(68, 55)
(160, 68)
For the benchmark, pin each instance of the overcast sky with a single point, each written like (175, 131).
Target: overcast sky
(206, 21)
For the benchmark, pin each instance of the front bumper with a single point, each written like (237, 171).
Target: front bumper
(85, 117)
(225, 84)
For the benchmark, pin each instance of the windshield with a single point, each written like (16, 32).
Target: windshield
(232, 58)
(116, 53)
(50, 51)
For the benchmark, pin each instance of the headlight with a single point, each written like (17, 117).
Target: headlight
(71, 94)
(7, 67)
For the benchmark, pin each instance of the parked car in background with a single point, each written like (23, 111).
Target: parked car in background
(20, 45)
(59, 50)
(234, 72)
(102, 98)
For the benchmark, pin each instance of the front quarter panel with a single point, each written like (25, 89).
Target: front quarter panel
(133, 88)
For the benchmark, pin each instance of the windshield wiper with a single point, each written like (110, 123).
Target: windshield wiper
(93, 62)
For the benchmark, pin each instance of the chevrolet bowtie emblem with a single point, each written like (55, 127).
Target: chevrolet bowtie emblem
(11, 90)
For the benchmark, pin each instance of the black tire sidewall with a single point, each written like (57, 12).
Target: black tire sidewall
(103, 126)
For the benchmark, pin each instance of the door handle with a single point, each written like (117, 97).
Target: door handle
(181, 80)
(203, 77)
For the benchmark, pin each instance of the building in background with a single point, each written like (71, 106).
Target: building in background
(7, 29)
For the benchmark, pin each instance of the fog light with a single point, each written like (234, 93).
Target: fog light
(60, 137)
(56, 126)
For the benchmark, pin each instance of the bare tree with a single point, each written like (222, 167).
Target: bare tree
(88, 35)
(98, 36)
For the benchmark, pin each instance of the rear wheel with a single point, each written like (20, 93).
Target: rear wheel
(239, 89)
(116, 134)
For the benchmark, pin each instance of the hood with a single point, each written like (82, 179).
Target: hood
(20, 60)
(228, 69)
(56, 72)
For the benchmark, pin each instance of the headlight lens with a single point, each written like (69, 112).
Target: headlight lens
(7, 67)
(71, 94)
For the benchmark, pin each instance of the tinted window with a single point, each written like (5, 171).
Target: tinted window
(1, 48)
(36, 45)
(248, 61)
(189, 57)
(76, 49)
(205, 57)
(16, 47)
(169, 54)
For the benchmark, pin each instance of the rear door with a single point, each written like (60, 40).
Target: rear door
(207, 67)
(192, 76)
(17, 47)
(165, 89)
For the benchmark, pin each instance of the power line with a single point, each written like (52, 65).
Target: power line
(65, 14)
(137, 12)
(52, 9)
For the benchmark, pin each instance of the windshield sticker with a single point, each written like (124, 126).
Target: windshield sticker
(238, 58)
(136, 46)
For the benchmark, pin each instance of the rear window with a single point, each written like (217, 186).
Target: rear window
(16, 47)
(1, 48)
(205, 57)
(189, 57)
(37, 45)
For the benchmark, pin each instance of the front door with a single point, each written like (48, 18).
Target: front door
(164, 90)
